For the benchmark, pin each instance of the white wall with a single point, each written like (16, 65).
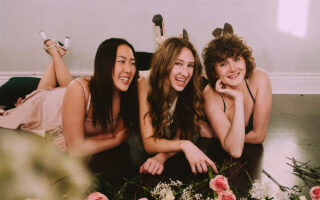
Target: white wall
(283, 55)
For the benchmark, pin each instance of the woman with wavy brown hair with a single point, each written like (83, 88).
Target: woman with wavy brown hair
(170, 105)
(238, 97)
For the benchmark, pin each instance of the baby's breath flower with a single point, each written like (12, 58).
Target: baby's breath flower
(261, 190)
(163, 191)
(281, 195)
(169, 196)
(176, 183)
(186, 193)
(198, 196)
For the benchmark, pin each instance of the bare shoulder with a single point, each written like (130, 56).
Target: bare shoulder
(259, 75)
(142, 85)
(74, 84)
(75, 88)
(209, 92)
(259, 81)
(212, 99)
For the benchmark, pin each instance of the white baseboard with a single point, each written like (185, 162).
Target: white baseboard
(281, 83)
(295, 83)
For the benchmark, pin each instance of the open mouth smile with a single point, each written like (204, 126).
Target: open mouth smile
(125, 79)
(183, 80)
(233, 76)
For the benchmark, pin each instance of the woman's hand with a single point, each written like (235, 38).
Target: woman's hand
(197, 159)
(154, 165)
(223, 89)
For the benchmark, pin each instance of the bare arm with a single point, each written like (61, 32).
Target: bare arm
(73, 116)
(232, 139)
(155, 164)
(262, 108)
(197, 159)
(230, 134)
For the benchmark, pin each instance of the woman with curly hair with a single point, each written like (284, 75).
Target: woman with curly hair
(238, 97)
(170, 104)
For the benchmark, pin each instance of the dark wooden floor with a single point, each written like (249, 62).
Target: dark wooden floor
(294, 131)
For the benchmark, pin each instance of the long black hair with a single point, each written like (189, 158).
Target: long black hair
(102, 88)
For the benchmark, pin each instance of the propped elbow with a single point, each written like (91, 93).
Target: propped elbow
(234, 150)
(148, 148)
(150, 145)
(76, 151)
(235, 154)
(259, 140)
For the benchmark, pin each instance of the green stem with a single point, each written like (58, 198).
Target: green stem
(248, 175)
(210, 172)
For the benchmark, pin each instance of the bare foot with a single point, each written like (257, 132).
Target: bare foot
(51, 48)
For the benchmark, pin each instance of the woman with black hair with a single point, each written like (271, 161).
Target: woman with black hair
(86, 115)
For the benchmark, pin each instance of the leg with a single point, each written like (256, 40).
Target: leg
(49, 78)
(160, 30)
(57, 71)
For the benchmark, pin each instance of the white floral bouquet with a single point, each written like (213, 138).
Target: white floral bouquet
(219, 186)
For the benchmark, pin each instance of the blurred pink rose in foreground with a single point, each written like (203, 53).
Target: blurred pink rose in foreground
(97, 196)
(315, 193)
(226, 195)
(219, 184)
(143, 199)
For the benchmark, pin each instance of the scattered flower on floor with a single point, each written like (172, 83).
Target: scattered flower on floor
(315, 193)
(226, 195)
(219, 184)
(97, 196)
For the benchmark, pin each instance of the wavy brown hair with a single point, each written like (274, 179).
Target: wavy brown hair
(102, 88)
(188, 111)
(223, 47)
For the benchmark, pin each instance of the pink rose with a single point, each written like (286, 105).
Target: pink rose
(143, 199)
(97, 196)
(226, 195)
(315, 193)
(219, 184)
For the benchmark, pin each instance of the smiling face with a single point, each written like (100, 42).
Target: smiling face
(231, 71)
(182, 70)
(124, 69)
